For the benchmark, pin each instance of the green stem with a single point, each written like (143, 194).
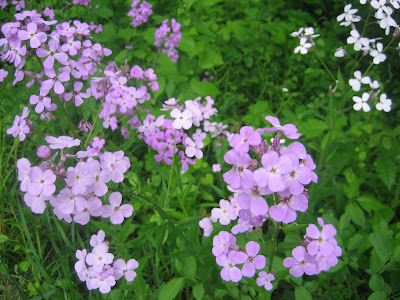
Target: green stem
(94, 124)
(275, 239)
(170, 175)
(325, 66)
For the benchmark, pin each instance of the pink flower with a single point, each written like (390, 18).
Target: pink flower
(182, 119)
(125, 269)
(206, 224)
(117, 212)
(301, 262)
(264, 279)
(62, 142)
(229, 272)
(52, 54)
(247, 137)
(42, 182)
(216, 168)
(193, 148)
(35, 38)
(253, 261)
(289, 129)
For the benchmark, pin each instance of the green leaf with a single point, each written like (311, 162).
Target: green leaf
(301, 293)
(3, 238)
(24, 265)
(190, 266)
(171, 289)
(198, 291)
(356, 214)
(386, 171)
(204, 88)
(377, 296)
(381, 246)
(209, 59)
(376, 282)
(312, 128)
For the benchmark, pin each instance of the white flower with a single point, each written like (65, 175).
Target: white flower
(297, 33)
(309, 31)
(340, 52)
(357, 40)
(377, 54)
(193, 148)
(348, 16)
(303, 48)
(384, 103)
(182, 119)
(374, 85)
(356, 83)
(361, 102)
(395, 3)
(380, 7)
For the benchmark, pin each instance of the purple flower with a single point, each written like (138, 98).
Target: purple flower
(35, 38)
(62, 142)
(274, 167)
(80, 178)
(117, 212)
(103, 284)
(240, 175)
(99, 257)
(289, 129)
(229, 272)
(36, 203)
(52, 55)
(116, 163)
(92, 207)
(80, 264)
(321, 240)
(225, 213)
(253, 261)
(206, 224)
(301, 262)
(24, 168)
(216, 168)
(247, 137)
(125, 269)
(286, 210)
(223, 242)
(42, 182)
(264, 279)
(252, 199)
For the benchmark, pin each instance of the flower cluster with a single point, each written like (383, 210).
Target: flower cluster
(21, 126)
(228, 255)
(81, 2)
(99, 269)
(207, 77)
(166, 136)
(81, 185)
(171, 41)
(275, 169)
(141, 14)
(305, 36)
(321, 254)
(67, 40)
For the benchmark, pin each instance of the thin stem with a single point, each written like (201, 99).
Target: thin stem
(94, 124)
(325, 66)
(271, 257)
(170, 175)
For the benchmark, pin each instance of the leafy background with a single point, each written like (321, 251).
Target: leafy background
(246, 46)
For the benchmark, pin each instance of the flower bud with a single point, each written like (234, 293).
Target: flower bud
(43, 151)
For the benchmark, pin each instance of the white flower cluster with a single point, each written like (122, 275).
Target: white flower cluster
(362, 102)
(306, 36)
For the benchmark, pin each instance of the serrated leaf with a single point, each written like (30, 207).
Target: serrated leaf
(356, 214)
(171, 289)
(313, 127)
(386, 170)
(381, 246)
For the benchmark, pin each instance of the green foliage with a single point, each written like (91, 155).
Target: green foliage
(246, 46)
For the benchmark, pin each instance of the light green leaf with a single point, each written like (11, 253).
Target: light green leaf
(3, 238)
(356, 214)
(301, 293)
(198, 291)
(377, 296)
(386, 170)
(376, 282)
(171, 289)
(312, 128)
(381, 246)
